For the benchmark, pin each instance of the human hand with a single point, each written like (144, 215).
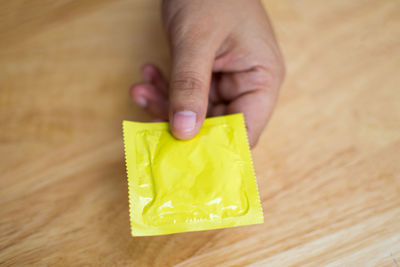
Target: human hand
(225, 60)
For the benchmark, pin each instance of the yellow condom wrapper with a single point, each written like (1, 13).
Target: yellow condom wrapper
(204, 183)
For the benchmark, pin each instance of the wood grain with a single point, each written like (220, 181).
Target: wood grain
(328, 166)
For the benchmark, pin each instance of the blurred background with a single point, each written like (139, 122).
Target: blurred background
(328, 165)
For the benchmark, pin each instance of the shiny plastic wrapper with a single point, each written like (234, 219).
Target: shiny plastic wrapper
(204, 183)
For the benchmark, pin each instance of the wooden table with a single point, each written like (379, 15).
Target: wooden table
(328, 165)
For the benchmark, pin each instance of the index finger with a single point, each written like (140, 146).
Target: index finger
(257, 106)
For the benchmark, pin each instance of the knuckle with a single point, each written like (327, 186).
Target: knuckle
(188, 83)
(272, 75)
(266, 77)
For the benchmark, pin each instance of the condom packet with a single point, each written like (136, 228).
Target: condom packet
(204, 183)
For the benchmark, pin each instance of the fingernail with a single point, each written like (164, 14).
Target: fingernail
(141, 101)
(184, 121)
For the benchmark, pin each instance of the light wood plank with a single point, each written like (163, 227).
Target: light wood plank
(328, 165)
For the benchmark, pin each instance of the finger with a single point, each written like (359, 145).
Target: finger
(147, 96)
(192, 62)
(256, 106)
(252, 92)
(233, 84)
(152, 74)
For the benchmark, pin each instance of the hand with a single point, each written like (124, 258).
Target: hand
(225, 60)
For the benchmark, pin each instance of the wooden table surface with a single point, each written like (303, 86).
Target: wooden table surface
(328, 165)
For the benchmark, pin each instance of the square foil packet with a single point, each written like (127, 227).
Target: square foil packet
(204, 183)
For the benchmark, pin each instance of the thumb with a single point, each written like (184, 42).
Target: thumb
(192, 63)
